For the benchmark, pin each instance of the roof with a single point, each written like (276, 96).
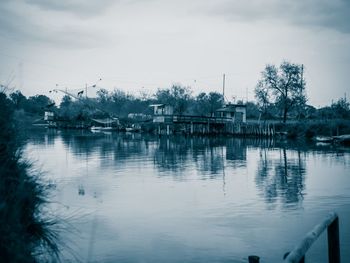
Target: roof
(231, 107)
(156, 105)
(235, 105)
(224, 109)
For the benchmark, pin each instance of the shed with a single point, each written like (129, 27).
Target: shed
(162, 109)
(49, 116)
(237, 112)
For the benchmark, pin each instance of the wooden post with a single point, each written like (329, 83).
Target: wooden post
(333, 242)
(253, 259)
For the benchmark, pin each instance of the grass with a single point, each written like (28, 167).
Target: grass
(26, 234)
(311, 128)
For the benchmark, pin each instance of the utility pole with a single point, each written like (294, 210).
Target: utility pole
(302, 75)
(85, 90)
(246, 94)
(20, 69)
(223, 87)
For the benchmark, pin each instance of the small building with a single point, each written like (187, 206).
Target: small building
(238, 112)
(49, 116)
(162, 109)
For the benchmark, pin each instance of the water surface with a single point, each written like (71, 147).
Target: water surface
(140, 198)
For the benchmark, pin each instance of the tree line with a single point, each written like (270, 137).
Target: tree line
(280, 95)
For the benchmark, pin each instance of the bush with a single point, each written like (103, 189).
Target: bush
(25, 235)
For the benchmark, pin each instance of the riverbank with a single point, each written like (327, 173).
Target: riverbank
(302, 129)
(26, 235)
(311, 129)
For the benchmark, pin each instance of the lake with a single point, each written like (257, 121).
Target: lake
(140, 198)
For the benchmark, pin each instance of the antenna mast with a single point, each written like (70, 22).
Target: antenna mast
(223, 86)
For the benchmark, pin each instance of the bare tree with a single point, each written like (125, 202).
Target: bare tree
(285, 85)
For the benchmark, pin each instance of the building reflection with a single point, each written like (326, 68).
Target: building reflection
(210, 155)
(280, 171)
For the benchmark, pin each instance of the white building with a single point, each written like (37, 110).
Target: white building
(162, 109)
(49, 116)
(238, 112)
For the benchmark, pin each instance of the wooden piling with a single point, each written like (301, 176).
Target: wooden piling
(333, 242)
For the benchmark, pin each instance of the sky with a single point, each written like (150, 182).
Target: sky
(140, 46)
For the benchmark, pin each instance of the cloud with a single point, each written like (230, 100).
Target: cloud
(333, 14)
(80, 8)
(24, 24)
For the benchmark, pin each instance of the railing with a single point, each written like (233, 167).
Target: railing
(297, 255)
(331, 223)
(200, 119)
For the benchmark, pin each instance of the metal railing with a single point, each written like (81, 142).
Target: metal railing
(297, 255)
(331, 223)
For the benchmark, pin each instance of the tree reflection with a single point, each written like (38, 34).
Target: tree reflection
(210, 155)
(281, 178)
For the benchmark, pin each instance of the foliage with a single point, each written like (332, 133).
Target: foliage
(66, 101)
(207, 104)
(317, 127)
(177, 96)
(252, 110)
(285, 86)
(25, 234)
(341, 108)
(37, 104)
(270, 103)
(18, 99)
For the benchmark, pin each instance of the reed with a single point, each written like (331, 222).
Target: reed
(27, 233)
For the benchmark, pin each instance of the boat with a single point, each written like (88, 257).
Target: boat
(342, 139)
(107, 124)
(323, 139)
(133, 128)
(101, 128)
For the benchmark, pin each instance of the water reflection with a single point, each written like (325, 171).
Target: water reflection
(168, 153)
(281, 175)
(190, 195)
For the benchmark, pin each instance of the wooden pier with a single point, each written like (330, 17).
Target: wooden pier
(202, 125)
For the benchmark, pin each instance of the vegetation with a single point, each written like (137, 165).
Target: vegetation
(280, 96)
(285, 86)
(25, 234)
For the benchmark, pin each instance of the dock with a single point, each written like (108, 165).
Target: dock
(203, 125)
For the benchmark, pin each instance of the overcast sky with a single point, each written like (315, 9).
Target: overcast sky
(144, 45)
